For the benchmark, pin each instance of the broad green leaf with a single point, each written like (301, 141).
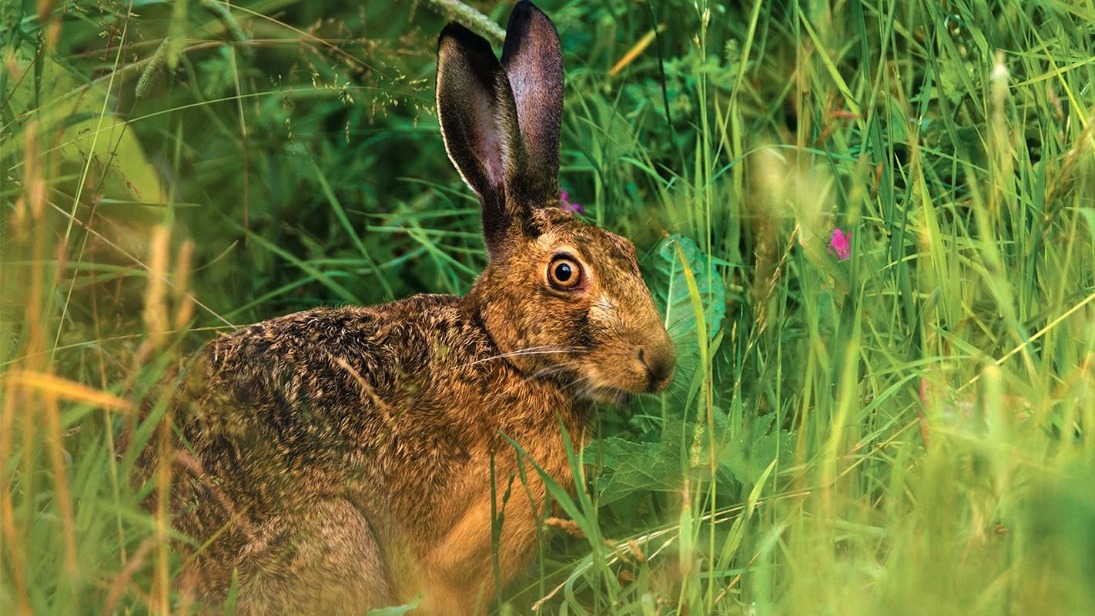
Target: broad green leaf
(76, 118)
(678, 261)
(631, 467)
(749, 455)
(395, 610)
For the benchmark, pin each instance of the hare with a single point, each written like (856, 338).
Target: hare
(342, 459)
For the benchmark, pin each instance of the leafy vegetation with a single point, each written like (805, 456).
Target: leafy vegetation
(899, 425)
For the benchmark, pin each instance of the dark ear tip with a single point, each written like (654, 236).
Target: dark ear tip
(526, 5)
(524, 11)
(451, 29)
(463, 37)
(528, 24)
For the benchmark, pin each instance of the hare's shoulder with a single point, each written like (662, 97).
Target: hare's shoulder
(327, 357)
(373, 343)
(313, 388)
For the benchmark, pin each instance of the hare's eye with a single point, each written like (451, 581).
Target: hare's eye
(564, 273)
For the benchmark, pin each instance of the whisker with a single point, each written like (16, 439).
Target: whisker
(580, 384)
(547, 371)
(538, 350)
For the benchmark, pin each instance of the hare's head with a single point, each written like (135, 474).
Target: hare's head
(561, 299)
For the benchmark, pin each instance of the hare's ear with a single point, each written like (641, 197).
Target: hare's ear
(533, 64)
(475, 109)
(467, 72)
(501, 125)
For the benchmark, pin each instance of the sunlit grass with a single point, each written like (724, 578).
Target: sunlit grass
(905, 430)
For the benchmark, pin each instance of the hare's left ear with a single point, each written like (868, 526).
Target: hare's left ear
(501, 121)
(533, 63)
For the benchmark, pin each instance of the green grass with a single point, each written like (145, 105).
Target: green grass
(903, 431)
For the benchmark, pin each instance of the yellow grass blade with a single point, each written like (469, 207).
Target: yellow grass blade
(635, 51)
(65, 389)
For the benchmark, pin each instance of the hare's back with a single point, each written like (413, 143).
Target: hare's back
(318, 388)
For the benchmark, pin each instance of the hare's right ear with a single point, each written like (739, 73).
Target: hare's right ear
(478, 121)
(532, 59)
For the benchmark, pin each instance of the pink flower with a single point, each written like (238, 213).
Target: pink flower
(840, 244)
(574, 208)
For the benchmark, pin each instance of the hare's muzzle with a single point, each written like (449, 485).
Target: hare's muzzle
(660, 362)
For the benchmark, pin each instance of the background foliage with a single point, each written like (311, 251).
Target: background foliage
(904, 430)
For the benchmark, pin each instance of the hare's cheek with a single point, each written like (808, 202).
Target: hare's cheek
(603, 315)
(617, 365)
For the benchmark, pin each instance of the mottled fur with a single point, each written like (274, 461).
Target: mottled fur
(342, 457)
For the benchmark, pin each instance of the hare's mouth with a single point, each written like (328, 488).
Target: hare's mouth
(610, 395)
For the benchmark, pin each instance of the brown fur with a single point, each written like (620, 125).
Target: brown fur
(343, 456)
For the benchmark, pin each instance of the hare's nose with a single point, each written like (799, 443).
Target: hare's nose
(659, 369)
